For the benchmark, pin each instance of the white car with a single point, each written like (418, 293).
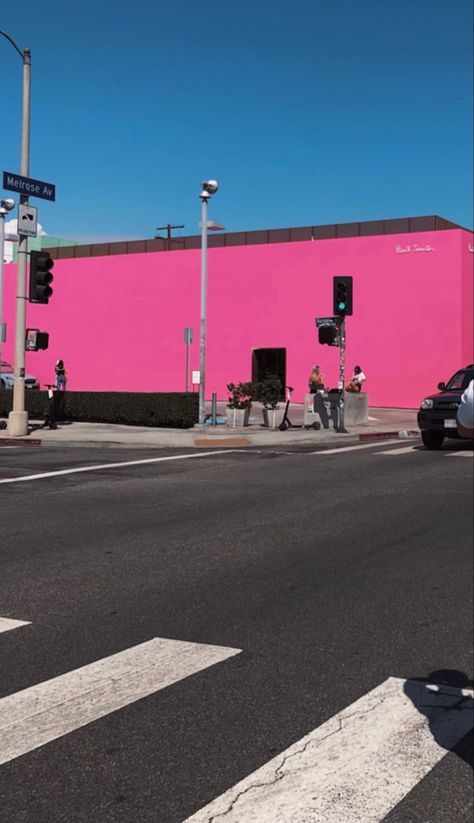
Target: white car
(7, 378)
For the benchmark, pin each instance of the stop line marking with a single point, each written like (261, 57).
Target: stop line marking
(35, 716)
(102, 466)
(356, 766)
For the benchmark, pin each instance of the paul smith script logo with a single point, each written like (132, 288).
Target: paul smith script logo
(414, 247)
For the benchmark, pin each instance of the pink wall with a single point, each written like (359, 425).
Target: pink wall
(118, 321)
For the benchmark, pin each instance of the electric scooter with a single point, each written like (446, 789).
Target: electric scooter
(286, 422)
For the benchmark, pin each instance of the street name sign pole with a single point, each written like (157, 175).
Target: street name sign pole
(18, 417)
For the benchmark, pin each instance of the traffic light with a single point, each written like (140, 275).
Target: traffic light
(328, 335)
(342, 296)
(36, 340)
(41, 278)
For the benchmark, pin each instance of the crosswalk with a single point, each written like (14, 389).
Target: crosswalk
(375, 449)
(356, 766)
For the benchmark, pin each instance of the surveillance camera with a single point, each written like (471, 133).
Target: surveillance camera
(7, 204)
(210, 186)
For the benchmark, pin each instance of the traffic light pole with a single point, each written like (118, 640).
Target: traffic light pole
(18, 418)
(342, 368)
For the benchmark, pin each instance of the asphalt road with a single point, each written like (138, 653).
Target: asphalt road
(330, 572)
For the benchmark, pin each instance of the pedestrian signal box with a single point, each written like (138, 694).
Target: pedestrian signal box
(36, 340)
(328, 335)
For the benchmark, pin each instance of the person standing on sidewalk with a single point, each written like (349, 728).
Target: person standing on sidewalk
(61, 378)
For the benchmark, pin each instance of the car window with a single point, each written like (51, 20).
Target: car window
(460, 380)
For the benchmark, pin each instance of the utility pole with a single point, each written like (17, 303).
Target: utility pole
(168, 228)
(18, 418)
(209, 187)
(342, 369)
(5, 206)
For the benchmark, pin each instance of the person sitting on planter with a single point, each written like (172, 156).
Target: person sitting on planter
(316, 380)
(355, 383)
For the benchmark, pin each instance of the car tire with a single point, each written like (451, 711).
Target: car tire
(432, 440)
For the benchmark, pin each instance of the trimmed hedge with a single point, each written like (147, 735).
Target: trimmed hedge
(177, 410)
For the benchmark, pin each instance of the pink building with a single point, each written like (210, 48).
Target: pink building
(118, 310)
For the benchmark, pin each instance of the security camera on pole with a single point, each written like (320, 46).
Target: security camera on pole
(209, 188)
(5, 207)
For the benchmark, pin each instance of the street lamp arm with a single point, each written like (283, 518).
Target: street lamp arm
(23, 54)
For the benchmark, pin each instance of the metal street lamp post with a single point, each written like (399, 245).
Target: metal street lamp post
(209, 188)
(5, 207)
(18, 418)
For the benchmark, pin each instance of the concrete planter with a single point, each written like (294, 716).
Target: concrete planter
(236, 418)
(273, 417)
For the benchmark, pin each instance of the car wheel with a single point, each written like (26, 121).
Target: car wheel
(432, 440)
(2, 384)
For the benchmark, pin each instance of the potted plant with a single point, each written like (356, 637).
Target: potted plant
(239, 403)
(270, 390)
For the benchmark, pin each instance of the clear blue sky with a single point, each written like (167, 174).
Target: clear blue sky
(318, 111)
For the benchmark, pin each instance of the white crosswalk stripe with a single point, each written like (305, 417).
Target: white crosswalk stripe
(405, 450)
(35, 716)
(358, 765)
(461, 454)
(7, 624)
(359, 447)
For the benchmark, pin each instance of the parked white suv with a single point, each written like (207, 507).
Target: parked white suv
(7, 378)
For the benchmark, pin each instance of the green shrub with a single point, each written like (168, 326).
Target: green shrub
(178, 410)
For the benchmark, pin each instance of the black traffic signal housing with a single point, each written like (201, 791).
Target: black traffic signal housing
(36, 340)
(328, 335)
(41, 265)
(342, 296)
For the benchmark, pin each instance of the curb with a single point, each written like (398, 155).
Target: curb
(404, 434)
(19, 441)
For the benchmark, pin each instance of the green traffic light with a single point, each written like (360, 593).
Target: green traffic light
(341, 306)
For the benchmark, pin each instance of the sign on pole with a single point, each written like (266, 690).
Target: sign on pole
(28, 186)
(327, 321)
(27, 220)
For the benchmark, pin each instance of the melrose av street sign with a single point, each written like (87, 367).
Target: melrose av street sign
(28, 187)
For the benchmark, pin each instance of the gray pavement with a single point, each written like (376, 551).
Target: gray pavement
(392, 422)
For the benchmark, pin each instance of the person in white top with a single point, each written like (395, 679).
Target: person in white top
(358, 377)
(465, 413)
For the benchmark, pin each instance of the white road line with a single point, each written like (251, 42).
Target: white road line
(355, 767)
(6, 624)
(460, 454)
(405, 450)
(35, 716)
(372, 445)
(102, 466)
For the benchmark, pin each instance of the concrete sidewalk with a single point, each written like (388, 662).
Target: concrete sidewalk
(382, 422)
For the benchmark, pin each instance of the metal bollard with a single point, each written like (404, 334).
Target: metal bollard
(214, 409)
